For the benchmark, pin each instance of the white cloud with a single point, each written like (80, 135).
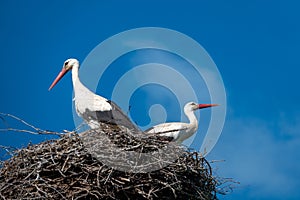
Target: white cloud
(267, 166)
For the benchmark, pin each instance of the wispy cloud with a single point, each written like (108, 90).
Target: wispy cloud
(267, 166)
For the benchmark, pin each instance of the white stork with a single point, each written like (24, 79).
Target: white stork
(93, 108)
(179, 131)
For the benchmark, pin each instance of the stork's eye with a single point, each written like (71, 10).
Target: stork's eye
(66, 63)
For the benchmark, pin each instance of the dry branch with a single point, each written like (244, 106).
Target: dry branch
(34, 130)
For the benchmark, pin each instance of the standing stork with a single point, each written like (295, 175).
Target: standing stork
(179, 131)
(93, 108)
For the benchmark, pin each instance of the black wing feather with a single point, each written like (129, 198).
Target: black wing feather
(115, 116)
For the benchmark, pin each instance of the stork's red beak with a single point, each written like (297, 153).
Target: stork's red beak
(200, 106)
(59, 76)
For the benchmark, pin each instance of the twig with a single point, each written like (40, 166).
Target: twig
(35, 132)
(19, 119)
(8, 149)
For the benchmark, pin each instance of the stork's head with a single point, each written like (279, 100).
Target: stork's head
(68, 65)
(192, 106)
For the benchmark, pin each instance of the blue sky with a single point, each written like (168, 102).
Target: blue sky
(255, 45)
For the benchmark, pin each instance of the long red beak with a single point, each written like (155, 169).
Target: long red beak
(59, 76)
(200, 106)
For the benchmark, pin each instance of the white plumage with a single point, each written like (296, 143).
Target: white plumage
(180, 131)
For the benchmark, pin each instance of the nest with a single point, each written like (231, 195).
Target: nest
(72, 167)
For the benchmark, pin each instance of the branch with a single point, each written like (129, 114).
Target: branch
(36, 131)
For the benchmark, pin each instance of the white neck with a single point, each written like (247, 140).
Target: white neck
(191, 127)
(192, 118)
(77, 85)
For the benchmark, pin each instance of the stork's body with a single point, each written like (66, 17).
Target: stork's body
(93, 108)
(179, 131)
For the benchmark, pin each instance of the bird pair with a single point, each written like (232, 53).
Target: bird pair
(95, 109)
